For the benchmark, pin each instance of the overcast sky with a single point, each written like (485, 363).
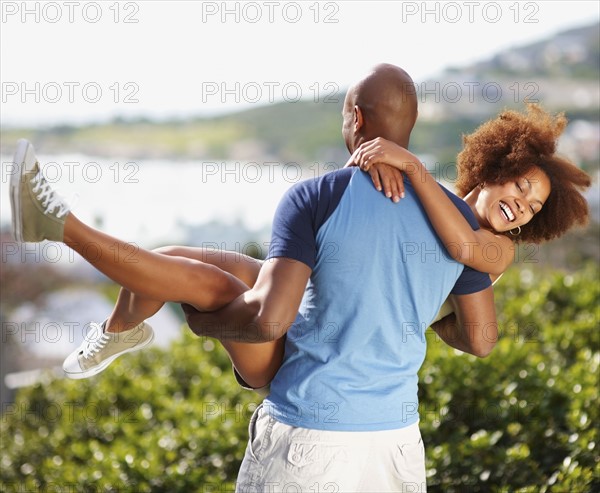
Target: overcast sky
(77, 61)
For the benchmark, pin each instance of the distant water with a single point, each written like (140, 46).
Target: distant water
(150, 201)
(154, 202)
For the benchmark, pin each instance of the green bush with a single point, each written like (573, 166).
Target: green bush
(523, 419)
(154, 421)
(526, 417)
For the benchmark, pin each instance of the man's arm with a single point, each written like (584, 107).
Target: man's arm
(473, 327)
(263, 313)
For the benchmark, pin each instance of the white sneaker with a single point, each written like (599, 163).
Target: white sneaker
(100, 349)
(38, 212)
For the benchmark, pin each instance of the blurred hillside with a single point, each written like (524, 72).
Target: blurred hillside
(561, 73)
(571, 54)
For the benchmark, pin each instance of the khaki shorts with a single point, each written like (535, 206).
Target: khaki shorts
(282, 458)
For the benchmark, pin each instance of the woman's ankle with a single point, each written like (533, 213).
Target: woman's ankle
(116, 325)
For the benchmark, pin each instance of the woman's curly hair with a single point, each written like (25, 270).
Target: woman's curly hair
(510, 145)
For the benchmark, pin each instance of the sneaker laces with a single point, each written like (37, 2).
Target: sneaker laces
(95, 342)
(50, 199)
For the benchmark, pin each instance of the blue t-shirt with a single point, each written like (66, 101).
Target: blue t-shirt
(379, 276)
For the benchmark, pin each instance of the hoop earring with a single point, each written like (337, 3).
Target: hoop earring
(517, 233)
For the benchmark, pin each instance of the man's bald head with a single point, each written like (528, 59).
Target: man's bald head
(383, 104)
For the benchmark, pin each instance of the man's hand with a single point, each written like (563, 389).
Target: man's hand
(201, 323)
(263, 313)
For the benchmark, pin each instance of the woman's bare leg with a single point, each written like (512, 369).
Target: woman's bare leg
(256, 363)
(153, 275)
(131, 308)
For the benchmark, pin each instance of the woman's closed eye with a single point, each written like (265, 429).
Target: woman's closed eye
(520, 188)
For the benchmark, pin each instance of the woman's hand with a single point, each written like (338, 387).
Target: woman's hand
(380, 150)
(372, 157)
(388, 179)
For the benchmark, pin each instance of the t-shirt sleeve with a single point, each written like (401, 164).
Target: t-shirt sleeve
(471, 281)
(293, 234)
(304, 208)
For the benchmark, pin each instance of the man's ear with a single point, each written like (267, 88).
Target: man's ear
(358, 118)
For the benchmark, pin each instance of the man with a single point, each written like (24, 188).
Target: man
(353, 279)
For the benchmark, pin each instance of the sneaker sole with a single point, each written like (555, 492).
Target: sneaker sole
(15, 189)
(102, 366)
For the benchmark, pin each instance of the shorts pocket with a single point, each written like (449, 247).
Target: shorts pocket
(314, 459)
(259, 432)
(409, 462)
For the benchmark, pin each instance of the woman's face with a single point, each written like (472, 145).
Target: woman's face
(504, 207)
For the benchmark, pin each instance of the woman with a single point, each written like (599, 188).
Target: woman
(509, 174)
